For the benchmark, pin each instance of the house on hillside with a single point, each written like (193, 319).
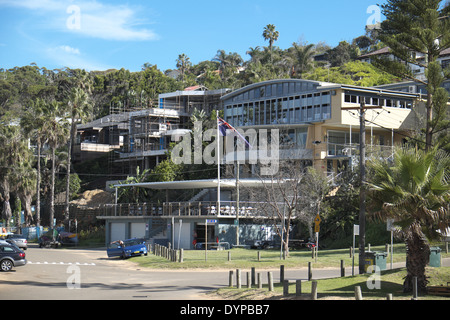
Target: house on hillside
(318, 125)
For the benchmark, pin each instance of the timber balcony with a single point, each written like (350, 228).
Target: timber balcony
(187, 209)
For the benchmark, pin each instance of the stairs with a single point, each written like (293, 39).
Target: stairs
(199, 195)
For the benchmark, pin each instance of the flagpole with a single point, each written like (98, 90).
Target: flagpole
(218, 163)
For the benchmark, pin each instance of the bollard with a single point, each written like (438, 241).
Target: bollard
(358, 294)
(309, 271)
(230, 279)
(342, 269)
(253, 276)
(314, 290)
(249, 283)
(281, 273)
(415, 295)
(259, 256)
(389, 296)
(229, 256)
(259, 280)
(270, 280)
(181, 255)
(351, 252)
(285, 287)
(238, 278)
(298, 287)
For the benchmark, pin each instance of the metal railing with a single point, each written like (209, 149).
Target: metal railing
(189, 209)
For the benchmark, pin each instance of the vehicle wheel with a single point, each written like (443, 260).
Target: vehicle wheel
(6, 265)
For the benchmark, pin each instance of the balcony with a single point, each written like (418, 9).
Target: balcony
(187, 209)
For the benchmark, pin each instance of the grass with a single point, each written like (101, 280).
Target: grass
(245, 258)
(343, 288)
(334, 288)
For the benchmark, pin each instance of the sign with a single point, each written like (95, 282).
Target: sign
(211, 221)
(317, 220)
(356, 229)
(390, 225)
(317, 228)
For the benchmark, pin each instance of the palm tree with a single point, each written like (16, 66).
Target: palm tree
(228, 63)
(270, 34)
(415, 192)
(79, 109)
(302, 58)
(57, 129)
(33, 124)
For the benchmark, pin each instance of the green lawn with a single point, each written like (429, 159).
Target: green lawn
(337, 288)
(343, 288)
(246, 258)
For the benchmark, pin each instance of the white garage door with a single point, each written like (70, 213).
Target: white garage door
(137, 230)
(117, 231)
(182, 236)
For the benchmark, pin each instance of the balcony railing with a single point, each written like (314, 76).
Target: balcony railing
(187, 209)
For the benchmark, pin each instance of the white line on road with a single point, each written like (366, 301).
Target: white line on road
(62, 263)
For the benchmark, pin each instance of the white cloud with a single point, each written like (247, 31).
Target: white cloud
(91, 18)
(69, 49)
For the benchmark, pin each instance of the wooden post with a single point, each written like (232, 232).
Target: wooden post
(314, 290)
(249, 282)
(181, 255)
(309, 271)
(298, 287)
(342, 269)
(230, 279)
(389, 296)
(259, 256)
(281, 273)
(238, 278)
(253, 276)
(259, 280)
(229, 256)
(285, 287)
(270, 279)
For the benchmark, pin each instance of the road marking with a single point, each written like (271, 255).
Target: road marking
(62, 263)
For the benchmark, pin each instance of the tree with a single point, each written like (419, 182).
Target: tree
(57, 129)
(79, 109)
(417, 31)
(33, 124)
(183, 64)
(302, 57)
(414, 191)
(270, 34)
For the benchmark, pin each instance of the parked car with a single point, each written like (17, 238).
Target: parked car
(18, 239)
(11, 256)
(127, 248)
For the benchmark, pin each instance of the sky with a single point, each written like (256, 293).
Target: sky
(114, 34)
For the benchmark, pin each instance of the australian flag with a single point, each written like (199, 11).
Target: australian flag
(224, 126)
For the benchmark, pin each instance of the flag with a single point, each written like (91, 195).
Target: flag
(224, 126)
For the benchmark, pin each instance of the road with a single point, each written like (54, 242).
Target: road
(59, 274)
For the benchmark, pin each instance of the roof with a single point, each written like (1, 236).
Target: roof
(196, 184)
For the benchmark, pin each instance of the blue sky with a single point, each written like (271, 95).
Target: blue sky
(104, 34)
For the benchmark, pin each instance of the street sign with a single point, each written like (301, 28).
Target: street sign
(211, 221)
(317, 228)
(317, 220)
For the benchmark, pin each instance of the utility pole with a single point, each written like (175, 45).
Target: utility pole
(362, 190)
(362, 173)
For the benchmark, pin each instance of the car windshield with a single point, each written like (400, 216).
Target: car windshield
(16, 236)
(132, 242)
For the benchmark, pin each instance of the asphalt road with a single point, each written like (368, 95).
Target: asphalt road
(59, 274)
